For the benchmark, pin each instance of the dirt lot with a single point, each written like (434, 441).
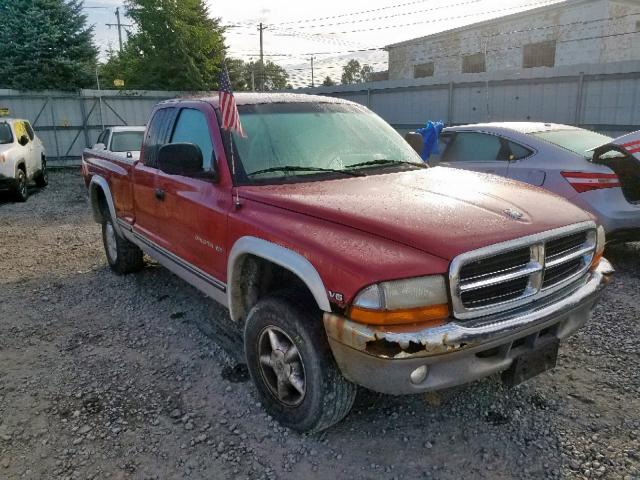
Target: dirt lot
(111, 377)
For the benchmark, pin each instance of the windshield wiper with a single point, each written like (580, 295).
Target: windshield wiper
(385, 161)
(297, 168)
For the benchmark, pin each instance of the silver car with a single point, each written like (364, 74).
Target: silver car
(596, 172)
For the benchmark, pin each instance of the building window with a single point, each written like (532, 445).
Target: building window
(474, 63)
(423, 70)
(542, 54)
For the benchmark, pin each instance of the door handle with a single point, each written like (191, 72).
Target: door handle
(159, 194)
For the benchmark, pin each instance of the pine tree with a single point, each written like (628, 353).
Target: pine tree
(176, 46)
(45, 44)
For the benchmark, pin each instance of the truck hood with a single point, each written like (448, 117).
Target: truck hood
(441, 211)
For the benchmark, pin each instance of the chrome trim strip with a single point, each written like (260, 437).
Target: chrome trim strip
(523, 272)
(181, 263)
(569, 256)
(534, 290)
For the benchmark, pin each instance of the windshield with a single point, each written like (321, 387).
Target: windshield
(5, 134)
(578, 141)
(126, 141)
(326, 138)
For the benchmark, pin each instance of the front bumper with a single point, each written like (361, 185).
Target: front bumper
(383, 358)
(7, 183)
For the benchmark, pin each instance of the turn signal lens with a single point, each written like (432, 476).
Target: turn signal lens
(433, 315)
(600, 242)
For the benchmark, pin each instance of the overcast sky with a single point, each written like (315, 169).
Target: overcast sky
(295, 30)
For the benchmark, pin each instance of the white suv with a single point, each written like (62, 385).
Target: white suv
(22, 157)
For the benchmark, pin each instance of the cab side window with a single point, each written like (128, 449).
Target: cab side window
(156, 135)
(475, 147)
(192, 127)
(21, 131)
(30, 132)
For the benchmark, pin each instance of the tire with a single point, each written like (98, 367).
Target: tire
(22, 186)
(122, 255)
(42, 177)
(314, 395)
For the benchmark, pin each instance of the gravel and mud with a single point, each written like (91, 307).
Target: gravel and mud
(137, 377)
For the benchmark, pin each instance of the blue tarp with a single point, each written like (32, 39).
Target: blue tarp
(430, 134)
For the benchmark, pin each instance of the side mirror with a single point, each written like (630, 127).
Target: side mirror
(180, 159)
(99, 146)
(415, 140)
(23, 140)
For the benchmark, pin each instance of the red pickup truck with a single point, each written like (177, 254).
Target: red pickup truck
(342, 256)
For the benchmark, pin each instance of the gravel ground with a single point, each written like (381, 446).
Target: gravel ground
(112, 377)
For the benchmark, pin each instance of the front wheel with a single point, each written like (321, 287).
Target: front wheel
(22, 186)
(290, 362)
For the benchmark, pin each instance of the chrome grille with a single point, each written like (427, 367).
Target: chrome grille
(510, 274)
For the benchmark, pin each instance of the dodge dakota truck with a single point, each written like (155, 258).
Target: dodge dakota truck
(344, 259)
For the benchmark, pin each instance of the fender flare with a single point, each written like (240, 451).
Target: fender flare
(22, 162)
(292, 261)
(98, 182)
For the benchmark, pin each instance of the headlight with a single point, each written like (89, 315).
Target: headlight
(600, 242)
(422, 299)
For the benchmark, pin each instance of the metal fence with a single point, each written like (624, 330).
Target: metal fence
(69, 122)
(603, 97)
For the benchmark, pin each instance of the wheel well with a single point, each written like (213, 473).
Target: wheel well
(23, 167)
(260, 278)
(99, 203)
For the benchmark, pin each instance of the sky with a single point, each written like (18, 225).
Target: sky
(332, 31)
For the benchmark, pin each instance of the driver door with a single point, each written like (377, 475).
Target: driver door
(194, 210)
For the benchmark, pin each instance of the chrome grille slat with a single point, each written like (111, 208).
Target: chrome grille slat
(495, 280)
(500, 277)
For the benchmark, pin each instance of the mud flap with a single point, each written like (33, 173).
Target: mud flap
(532, 362)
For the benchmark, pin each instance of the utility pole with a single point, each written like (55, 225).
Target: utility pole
(120, 26)
(312, 82)
(261, 79)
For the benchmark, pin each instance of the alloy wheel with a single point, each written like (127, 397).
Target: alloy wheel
(281, 366)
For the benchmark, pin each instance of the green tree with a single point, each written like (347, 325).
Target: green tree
(353, 72)
(245, 76)
(176, 46)
(328, 82)
(45, 44)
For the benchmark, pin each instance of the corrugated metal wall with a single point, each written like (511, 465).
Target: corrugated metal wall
(68, 123)
(605, 98)
(602, 97)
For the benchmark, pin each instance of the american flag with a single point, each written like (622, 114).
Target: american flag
(228, 108)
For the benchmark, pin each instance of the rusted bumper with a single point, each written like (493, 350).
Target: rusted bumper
(384, 358)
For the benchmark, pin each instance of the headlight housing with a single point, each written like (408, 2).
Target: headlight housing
(600, 242)
(413, 300)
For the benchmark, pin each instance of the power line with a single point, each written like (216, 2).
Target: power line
(438, 20)
(386, 17)
(545, 27)
(399, 5)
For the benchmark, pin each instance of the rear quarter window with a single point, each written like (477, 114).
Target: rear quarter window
(157, 134)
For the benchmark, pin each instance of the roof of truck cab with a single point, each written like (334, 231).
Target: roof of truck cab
(252, 98)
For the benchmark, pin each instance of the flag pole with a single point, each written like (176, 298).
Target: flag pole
(233, 170)
(237, 204)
